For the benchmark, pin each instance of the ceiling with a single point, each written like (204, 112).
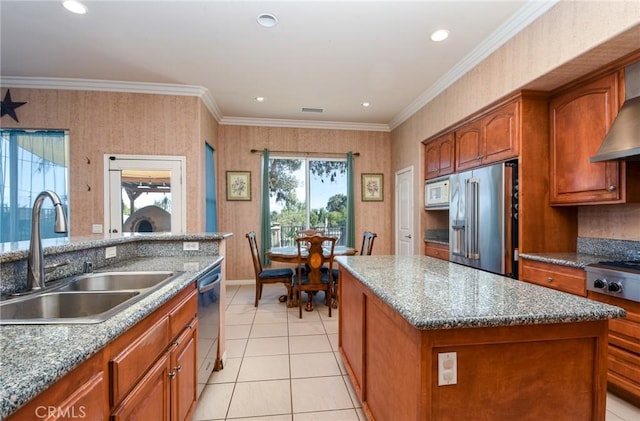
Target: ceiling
(328, 55)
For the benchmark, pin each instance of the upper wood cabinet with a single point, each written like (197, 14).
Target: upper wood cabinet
(580, 119)
(492, 138)
(439, 156)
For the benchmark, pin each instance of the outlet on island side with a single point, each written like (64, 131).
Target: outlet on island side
(447, 368)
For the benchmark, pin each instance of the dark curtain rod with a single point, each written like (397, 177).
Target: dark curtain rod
(305, 153)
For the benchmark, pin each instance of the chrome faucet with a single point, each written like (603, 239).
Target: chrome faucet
(35, 266)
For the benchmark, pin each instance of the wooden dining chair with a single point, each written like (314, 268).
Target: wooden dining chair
(314, 278)
(267, 276)
(367, 247)
(367, 243)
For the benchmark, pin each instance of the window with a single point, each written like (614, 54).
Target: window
(307, 193)
(30, 162)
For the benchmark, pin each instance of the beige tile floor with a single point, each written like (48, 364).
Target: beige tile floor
(277, 365)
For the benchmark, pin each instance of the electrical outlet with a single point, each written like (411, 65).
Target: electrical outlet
(110, 252)
(447, 368)
(190, 246)
(96, 228)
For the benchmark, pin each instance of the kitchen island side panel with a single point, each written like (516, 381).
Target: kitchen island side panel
(525, 372)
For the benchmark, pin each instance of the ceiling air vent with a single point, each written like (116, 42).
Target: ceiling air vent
(312, 110)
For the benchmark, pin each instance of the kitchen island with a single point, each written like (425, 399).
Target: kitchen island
(508, 349)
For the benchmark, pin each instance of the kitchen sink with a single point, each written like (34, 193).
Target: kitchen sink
(86, 298)
(115, 281)
(66, 307)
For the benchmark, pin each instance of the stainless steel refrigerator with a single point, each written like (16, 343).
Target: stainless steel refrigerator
(483, 217)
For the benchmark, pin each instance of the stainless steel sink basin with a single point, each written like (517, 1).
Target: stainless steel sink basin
(65, 307)
(87, 298)
(115, 281)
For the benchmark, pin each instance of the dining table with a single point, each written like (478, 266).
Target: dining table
(289, 254)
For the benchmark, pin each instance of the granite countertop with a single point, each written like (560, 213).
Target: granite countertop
(434, 294)
(33, 357)
(20, 249)
(576, 260)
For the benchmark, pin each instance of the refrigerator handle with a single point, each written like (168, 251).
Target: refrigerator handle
(473, 232)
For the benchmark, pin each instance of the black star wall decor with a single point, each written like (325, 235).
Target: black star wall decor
(9, 107)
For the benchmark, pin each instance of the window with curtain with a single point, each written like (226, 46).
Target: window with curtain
(30, 162)
(307, 193)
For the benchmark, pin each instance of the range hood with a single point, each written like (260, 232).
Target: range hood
(623, 140)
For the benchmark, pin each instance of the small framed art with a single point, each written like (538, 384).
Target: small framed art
(372, 187)
(238, 185)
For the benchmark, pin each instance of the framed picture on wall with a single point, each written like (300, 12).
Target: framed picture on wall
(372, 187)
(238, 185)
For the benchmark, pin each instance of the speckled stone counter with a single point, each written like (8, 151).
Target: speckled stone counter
(590, 250)
(33, 357)
(419, 335)
(434, 294)
(576, 260)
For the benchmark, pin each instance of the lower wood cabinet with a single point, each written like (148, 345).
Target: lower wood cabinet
(81, 394)
(437, 250)
(563, 278)
(624, 349)
(147, 373)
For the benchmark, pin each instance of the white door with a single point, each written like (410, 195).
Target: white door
(404, 212)
(144, 193)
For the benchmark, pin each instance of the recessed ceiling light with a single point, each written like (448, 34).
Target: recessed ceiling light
(260, 98)
(440, 35)
(365, 104)
(268, 20)
(75, 6)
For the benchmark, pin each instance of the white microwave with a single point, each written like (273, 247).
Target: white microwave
(436, 193)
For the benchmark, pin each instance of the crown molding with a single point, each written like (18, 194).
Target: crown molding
(532, 10)
(304, 124)
(115, 86)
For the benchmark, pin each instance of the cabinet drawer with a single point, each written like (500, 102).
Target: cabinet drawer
(439, 251)
(562, 278)
(130, 365)
(183, 314)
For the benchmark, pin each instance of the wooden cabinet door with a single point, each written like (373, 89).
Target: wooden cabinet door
(184, 389)
(580, 119)
(351, 330)
(437, 250)
(439, 155)
(87, 402)
(469, 146)
(500, 134)
(149, 400)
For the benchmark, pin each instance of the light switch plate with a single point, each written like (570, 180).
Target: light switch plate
(110, 252)
(190, 246)
(447, 368)
(96, 228)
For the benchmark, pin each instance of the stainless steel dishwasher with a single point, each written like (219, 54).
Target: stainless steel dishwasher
(208, 322)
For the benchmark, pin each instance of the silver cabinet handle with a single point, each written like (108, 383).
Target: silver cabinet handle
(408, 236)
(549, 279)
(612, 188)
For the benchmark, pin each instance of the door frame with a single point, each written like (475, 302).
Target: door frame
(155, 162)
(408, 169)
